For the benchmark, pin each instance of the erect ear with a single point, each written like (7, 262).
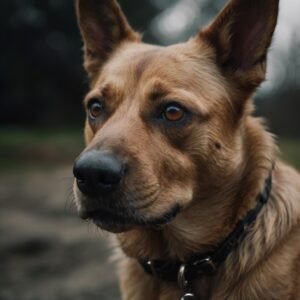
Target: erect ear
(241, 35)
(103, 27)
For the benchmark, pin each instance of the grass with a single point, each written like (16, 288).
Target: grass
(27, 149)
(17, 137)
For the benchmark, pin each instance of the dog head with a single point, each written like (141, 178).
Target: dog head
(164, 127)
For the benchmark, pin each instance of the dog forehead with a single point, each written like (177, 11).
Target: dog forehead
(135, 66)
(136, 61)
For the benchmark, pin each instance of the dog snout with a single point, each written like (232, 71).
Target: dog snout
(97, 172)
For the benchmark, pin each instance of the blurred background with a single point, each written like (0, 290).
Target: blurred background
(46, 252)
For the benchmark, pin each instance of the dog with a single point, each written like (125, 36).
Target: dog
(176, 165)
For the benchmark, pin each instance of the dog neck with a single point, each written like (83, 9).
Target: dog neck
(202, 265)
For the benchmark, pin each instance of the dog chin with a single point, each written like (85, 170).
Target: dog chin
(117, 223)
(113, 227)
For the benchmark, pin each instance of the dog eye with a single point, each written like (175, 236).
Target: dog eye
(173, 113)
(95, 109)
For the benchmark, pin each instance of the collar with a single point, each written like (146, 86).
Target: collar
(201, 265)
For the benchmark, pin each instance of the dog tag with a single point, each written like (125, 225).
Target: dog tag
(188, 296)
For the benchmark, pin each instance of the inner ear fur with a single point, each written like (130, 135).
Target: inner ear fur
(241, 35)
(103, 28)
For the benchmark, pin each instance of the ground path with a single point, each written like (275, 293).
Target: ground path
(46, 251)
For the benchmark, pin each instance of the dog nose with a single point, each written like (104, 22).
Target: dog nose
(97, 172)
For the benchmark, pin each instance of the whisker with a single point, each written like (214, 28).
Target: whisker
(70, 200)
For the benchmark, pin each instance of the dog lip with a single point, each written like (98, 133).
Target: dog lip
(103, 214)
(114, 222)
(109, 221)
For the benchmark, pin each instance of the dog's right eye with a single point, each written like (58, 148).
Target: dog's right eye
(173, 113)
(95, 109)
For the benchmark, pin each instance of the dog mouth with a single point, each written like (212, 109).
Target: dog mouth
(117, 222)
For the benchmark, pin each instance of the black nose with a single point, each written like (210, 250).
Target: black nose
(97, 172)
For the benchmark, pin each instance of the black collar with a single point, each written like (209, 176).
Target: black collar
(201, 265)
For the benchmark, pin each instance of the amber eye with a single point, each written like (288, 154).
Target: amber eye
(95, 109)
(173, 113)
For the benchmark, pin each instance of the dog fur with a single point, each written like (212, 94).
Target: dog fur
(213, 166)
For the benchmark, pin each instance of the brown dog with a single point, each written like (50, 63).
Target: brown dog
(177, 166)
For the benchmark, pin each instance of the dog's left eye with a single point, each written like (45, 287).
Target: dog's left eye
(173, 113)
(95, 109)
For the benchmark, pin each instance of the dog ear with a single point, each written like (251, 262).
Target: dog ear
(103, 28)
(241, 35)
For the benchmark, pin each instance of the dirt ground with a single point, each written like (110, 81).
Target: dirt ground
(46, 251)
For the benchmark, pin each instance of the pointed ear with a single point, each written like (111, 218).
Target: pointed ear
(103, 28)
(241, 35)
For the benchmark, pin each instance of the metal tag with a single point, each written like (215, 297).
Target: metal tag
(188, 296)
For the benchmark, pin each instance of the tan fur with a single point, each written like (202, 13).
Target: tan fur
(213, 167)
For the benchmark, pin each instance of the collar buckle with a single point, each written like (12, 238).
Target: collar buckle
(204, 266)
(188, 272)
(185, 284)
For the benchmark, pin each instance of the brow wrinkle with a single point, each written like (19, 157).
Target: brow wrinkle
(158, 91)
(107, 91)
(144, 62)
